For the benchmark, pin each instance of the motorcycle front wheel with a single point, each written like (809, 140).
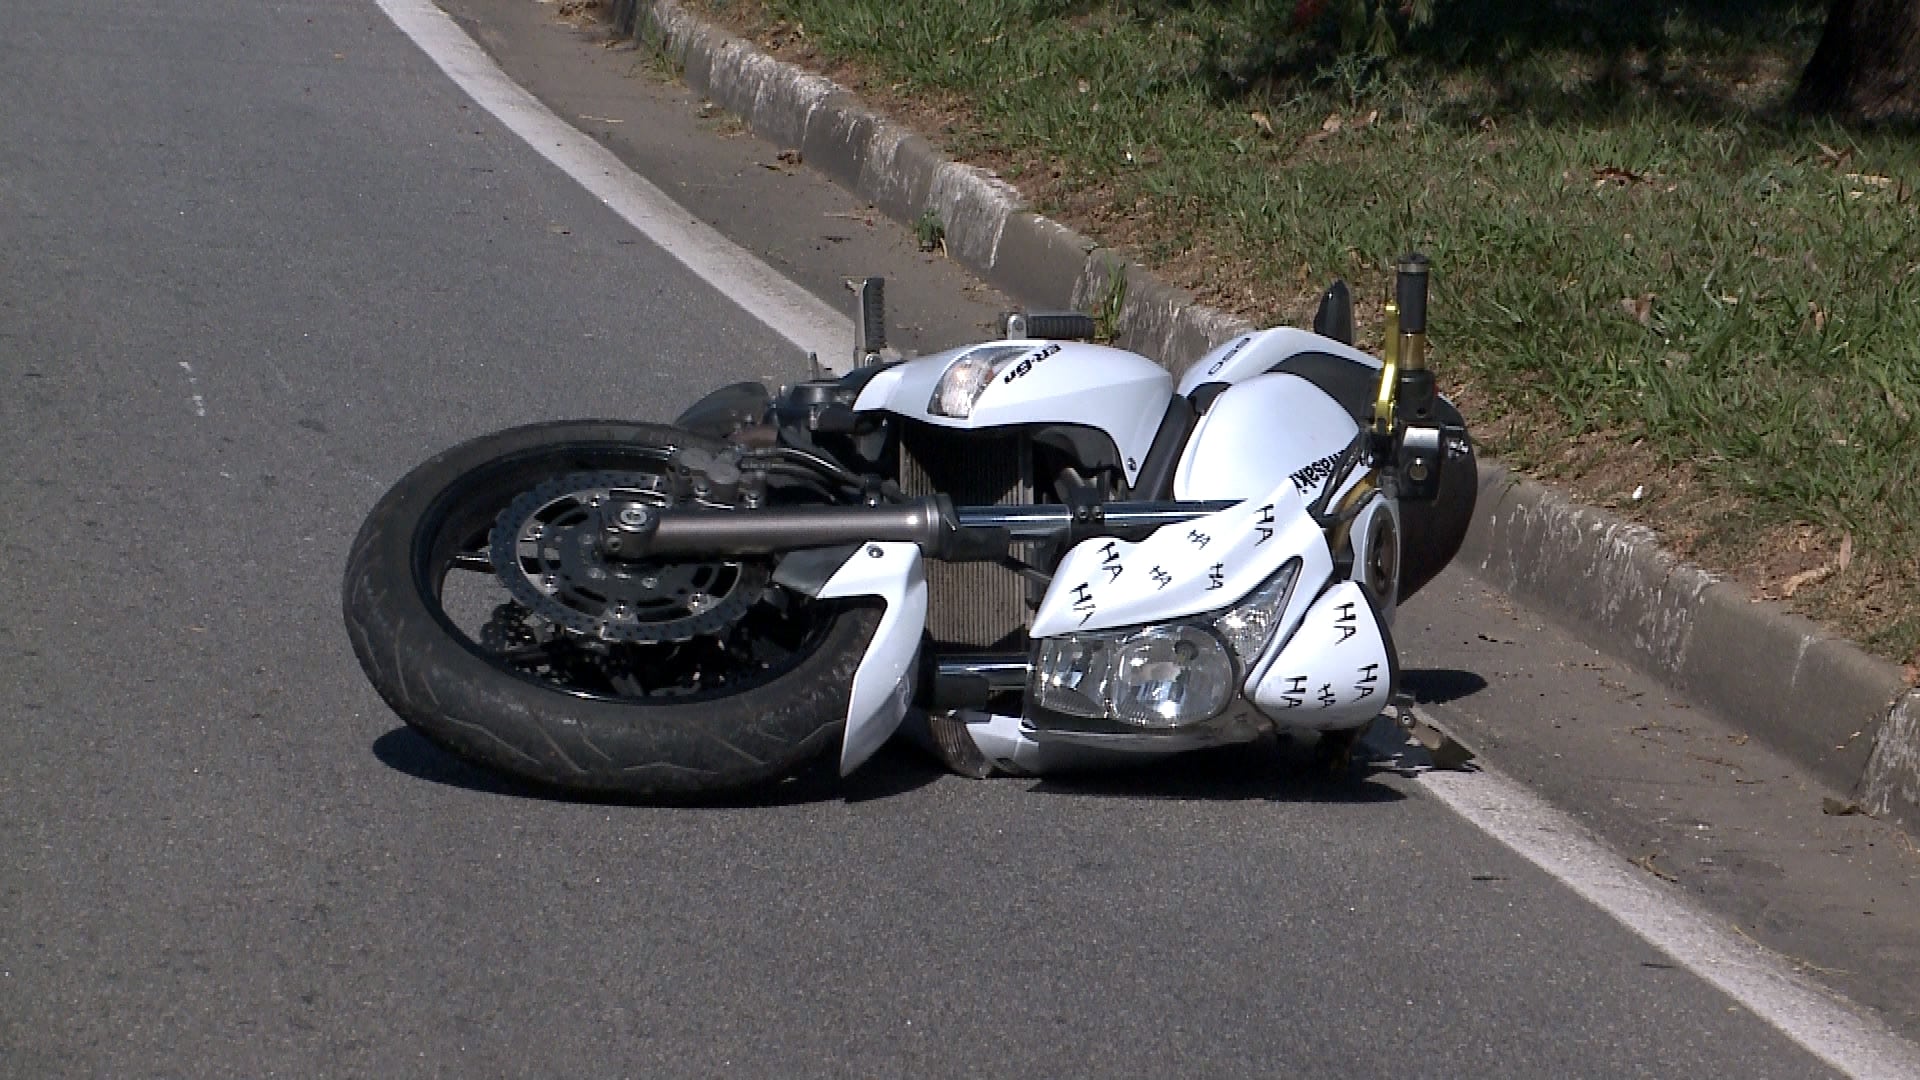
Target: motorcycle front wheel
(485, 614)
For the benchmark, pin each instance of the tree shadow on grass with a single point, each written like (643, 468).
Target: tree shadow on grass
(1561, 62)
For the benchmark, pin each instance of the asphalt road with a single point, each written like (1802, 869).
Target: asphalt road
(259, 258)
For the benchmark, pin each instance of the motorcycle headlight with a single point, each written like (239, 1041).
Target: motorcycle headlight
(1073, 674)
(968, 376)
(1251, 623)
(1170, 677)
(1160, 677)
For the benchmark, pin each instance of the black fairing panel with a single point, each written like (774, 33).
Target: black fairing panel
(726, 410)
(1353, 385)
(1432, 531)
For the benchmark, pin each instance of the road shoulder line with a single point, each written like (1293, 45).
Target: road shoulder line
(784, 307)
(1828, 1026)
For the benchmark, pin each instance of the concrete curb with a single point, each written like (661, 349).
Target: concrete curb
(1817, 699)
(1846, 716)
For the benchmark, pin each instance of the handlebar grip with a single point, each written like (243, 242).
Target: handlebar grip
(1052, 325)
(1410, 292)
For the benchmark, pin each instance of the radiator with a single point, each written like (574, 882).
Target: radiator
(971, 604)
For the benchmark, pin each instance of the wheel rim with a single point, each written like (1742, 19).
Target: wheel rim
(546, 548)
(641, 631)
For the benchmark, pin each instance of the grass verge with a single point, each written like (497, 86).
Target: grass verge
(1651, 285)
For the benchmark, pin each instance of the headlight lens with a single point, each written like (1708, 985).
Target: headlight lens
(1252, 622)
(1161, 677)
(968, 376)
(1170, 676)
(1073, 674)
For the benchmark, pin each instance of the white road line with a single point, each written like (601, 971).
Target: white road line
(787, 309)
(1829, 1027)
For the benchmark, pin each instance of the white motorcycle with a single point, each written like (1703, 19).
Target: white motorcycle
(1043, 550)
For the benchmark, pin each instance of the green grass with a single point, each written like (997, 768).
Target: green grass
(1636, 252)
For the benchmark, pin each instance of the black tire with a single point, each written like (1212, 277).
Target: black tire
(448, 686)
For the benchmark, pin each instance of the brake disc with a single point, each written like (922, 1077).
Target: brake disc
(546, 549)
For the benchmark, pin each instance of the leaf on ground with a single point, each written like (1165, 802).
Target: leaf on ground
(1640, 308)
(1261, 121)
(1806, 577)
(1830, 156)
(1841, 561)
(1328, 128)
(1645, 862)
(1614, 174)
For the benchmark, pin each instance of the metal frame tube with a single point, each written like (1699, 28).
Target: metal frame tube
(972, 680)
(785, 528)
(1002, 671)
(931, 522)
(1040, 522)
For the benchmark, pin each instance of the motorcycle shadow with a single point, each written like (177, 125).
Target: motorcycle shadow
(895, 770)
(1278, 769)
(1282, 769)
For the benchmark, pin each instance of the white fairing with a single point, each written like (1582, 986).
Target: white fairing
(1013, 743)
(1120, 393)
(1259, 430)
(883, 683)
(1257, 353)
(1188, 569)
(1337, 670)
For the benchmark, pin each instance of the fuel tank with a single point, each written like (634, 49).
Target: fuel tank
(1258, 431)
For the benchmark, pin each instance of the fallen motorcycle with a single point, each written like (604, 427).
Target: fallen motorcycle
(1042, 549)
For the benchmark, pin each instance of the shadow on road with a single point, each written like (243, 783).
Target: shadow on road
(1438, 686)
(894, 771)
(1282, 770)
(1277, 770)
